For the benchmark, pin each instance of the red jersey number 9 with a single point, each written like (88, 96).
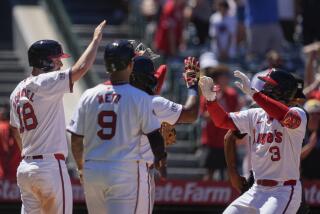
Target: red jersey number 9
(27, 118)
(110, 125)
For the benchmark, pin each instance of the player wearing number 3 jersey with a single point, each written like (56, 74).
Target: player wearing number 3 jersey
(37, 120)
(277, 132)
(106, 131)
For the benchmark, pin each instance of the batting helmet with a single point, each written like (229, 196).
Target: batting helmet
(142, 75)
(41, 53)
(279, 85)
(118, 55)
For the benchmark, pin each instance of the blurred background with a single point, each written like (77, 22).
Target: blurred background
(224, 35)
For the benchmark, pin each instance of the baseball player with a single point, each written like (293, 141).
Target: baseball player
(277, 132)
(106, 130)
(143, 77)
(37, 120)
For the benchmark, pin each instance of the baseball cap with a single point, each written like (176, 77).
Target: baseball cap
(208, 60)
(312, 106)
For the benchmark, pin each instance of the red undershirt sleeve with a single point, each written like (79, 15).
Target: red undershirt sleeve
(274, 108)
(219, 116)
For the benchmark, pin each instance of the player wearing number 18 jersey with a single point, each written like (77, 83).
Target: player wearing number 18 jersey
(37, 120)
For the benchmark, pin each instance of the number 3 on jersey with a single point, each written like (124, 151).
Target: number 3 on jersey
(275, 151)
(27, 118)
(107, 120)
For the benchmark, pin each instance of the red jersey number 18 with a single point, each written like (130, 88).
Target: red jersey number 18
(27, 118)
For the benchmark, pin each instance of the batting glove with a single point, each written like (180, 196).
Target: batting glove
(191, 71)
(244, 85)
(209, 91)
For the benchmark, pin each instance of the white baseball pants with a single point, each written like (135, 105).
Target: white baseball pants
(114, 187)
(267, 200)
(45, 186)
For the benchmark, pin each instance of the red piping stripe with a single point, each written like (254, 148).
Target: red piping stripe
(292, 188)
(138, 187)
(63, 195)
(149, 200)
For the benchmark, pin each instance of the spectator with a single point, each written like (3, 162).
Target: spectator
(200, 14)
(308, 171)
(262, 25)
(310, 17)
(9, 150)
(222, 31)
(212, 137)
(241, 30)
(169, 37)
(286, 10)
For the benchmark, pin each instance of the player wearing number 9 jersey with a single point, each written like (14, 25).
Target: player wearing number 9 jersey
(37, 120)
(106, 131)
(276, 132)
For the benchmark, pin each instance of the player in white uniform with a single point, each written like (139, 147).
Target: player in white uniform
(277, 132)
(37, 116)
(110, 119)
(143, 77)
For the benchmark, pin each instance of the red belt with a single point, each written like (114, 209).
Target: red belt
(271, 183)
(57, 156)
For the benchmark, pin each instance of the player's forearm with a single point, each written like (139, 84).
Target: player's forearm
(77, 150)
(16, 136)
(274, 108)
(157, 145)
(190, 110)
(219, 116)
(306, 149)
(230, 151)
(86, 60)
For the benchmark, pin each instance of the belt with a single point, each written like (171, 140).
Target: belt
(271, 183)
(57, 156)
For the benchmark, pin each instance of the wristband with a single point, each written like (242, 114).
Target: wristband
(193, 90)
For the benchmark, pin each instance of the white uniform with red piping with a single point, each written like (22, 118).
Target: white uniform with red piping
(166, 111)
(37, 111)
(112, 120)
(275, 159)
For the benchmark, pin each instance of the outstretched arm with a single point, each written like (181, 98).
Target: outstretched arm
(216, 112)
(190, 110)
(86, 60)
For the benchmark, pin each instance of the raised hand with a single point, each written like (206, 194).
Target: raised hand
(191, 71)
(244, 85)
(209, 91)
(97, 35)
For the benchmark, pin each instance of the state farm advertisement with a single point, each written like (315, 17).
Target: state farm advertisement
(174, 192)
(194, 192)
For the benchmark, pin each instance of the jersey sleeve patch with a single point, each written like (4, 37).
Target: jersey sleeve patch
(292, 120)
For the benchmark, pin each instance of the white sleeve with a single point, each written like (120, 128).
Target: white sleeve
(149, 121)
(77, 123)
(166, 110)
(14, 120)
(53, 83)
(242, 120)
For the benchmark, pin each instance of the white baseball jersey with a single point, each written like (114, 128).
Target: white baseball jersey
(275, 149)
(166, 111)
(37, 111)
(112, 119)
